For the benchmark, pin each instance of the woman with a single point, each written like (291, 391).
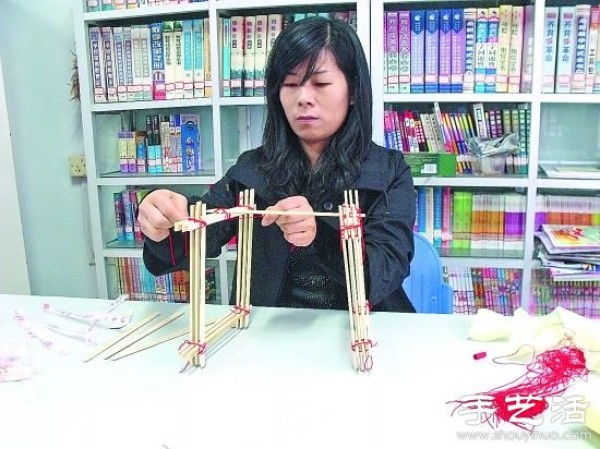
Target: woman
(316, 144)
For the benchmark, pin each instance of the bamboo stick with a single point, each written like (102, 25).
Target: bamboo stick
(117, 338)
(155, 342)
(147, 332)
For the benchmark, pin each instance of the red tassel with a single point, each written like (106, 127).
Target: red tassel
(522, 401)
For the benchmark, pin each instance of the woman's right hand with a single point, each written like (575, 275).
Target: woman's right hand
(159, 211)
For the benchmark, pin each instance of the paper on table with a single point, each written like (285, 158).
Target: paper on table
(528, 334)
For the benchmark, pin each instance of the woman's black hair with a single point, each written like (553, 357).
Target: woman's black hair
(287, 169)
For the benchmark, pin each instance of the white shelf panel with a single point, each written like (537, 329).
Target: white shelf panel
(155, 180)
(472, 181)
(122, 252)
(570, 98)
(482, 262)
(457, 98)
(575, 184)
(253, 4)
(157, 104)
(149, 11)
(129, 252)
(241, 101)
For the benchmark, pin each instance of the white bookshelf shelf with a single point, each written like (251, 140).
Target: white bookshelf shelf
(142, 105)
(473, 181)
(144, 12)
(570, 98)
(457, 98)
(162, 180)
(231, 125)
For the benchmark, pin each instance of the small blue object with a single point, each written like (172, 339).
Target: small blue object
(425, 286)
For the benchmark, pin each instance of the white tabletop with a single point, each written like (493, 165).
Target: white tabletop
(285, 382)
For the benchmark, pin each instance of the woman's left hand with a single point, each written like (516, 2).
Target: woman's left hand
(299, 230)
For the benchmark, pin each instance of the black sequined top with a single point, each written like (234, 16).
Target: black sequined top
(307, 285)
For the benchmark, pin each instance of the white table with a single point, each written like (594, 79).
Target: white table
(286, 382)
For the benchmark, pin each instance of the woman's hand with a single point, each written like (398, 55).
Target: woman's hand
(299, 230)
(159, 210)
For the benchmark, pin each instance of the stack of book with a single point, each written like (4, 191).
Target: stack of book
(570, 252)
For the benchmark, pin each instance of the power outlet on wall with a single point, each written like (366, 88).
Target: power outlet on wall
(77, 166)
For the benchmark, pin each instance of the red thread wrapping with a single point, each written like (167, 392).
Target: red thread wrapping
(367, 344)
(172, 250)
(238, 309)
(358, 226)
(201, 346)
(550, 374)
(201, 223)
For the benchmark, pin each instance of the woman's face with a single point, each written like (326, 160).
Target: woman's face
(316, 109)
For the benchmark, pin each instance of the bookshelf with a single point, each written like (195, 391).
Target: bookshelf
(572, 110)
(230, 125)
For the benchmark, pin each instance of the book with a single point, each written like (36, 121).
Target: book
(569, 236)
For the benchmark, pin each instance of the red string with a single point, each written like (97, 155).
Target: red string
(239, 309)
(550, 374)
(201, 346)
(224, 212)
(367, 344)
(172, 250)
(201, 223)
(358, 226)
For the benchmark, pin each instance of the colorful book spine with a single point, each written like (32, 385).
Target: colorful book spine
(97, 65)
(491, 61)
(226, 56)
(566, 50)
(582, 25)
(437, 216)
(391, 51)
(128, 64)
(237, 55)
(458, 51)
(138, 71)
(141, 152)
(158, 62)
(206, 50)
(432, 33)
(481, 49)
(551, 18)
(592, 53)
(198, 57)
(404, 46)
(178, 59)
(120, 63)
(526, 71)
(504, 32)
(445, 51)
(188, 59)
(131, 152)
(147, 65)
(119, 216)
(109, 63)
(417, 51)
(249, 55)
(260, 54)
(470, 16)
(170, 55)
(128, 216)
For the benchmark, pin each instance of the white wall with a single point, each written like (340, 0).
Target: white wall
(36, 41)
(13, 266)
